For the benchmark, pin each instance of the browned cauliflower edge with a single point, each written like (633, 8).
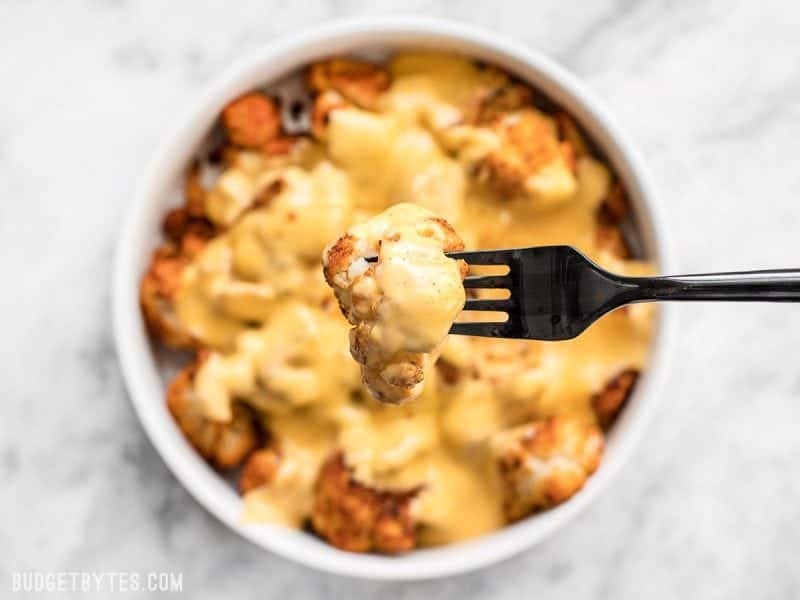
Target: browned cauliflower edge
(508, 97)
(608, 402)
(569, 131)
(610, 215)
(259, 469)
(544, 463)
(187, 231)
(157, 294)
(225, 445)
(324, 104)
(531, 160)
(356, 517)
(358, 81)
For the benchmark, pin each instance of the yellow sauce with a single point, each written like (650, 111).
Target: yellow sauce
(257, 298)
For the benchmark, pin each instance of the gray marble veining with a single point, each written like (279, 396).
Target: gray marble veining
(709, 507)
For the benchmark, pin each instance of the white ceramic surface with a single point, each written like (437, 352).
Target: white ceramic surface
(160, 188)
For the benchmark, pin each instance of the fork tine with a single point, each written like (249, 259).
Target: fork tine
(488, 281)
(484, 257)
(496, 305)
(481, 329)
(473, 257)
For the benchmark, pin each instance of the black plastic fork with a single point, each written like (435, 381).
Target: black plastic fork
(556, 292)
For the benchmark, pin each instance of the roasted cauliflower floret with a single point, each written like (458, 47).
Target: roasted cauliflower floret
(402, 306)
(299, 359)
(357, 81)
(269, 253)
(608, 402)
(259, 469)
(252, 120)
(529, 161)
(356, 517)
(544, 463)
(187, 231)
(223, 444)
(157, 297)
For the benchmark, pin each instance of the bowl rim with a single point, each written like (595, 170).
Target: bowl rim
(132, 346)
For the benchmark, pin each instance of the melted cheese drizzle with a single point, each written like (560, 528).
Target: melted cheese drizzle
(256, 295)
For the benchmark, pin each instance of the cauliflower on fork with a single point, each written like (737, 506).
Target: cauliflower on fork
(402, 306)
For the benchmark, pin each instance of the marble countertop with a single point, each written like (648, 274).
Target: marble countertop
(710, 505)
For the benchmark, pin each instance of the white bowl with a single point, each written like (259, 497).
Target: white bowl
(160, 188)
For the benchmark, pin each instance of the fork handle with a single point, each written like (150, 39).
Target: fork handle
(777, 285)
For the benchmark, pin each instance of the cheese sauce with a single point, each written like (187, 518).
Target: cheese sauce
(256, 297)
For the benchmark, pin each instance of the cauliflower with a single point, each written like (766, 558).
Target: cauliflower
(298, 359)
(356, 517)
(401, 307)
(357, 81)
(251, 120)
(187, 231)
(608, 402)
(544, 463)
(270, 253)
(224, 444)
(529, 161)
(259, 469)
(157, 296)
